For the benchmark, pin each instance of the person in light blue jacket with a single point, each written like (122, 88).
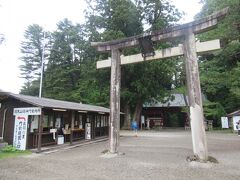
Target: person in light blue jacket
(134, 126)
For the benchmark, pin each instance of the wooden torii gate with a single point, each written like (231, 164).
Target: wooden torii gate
(189, 49)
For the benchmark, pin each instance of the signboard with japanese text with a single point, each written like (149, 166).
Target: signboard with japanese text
(27, 111)
(20, 132)
(21, 124)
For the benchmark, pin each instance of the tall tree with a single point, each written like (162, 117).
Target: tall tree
(219, 72)
(63, 69)
(32, 56)
(123, 18)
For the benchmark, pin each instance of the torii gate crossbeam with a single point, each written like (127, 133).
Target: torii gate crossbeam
(189, 50)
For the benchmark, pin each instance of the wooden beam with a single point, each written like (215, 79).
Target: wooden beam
(202, 47)
(198, 26)
(195, 99)
(114, 126)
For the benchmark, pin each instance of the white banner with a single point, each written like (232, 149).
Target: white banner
(142, 119)
(27, 111)
(224, 121)
(20, 132)
(236, 119)
(88, 131)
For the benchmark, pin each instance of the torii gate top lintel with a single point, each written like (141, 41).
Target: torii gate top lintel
(198, 26)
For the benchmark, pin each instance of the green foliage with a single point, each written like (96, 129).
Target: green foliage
(220, 72)
(63, 68)
(123, 18)
(214, 111)
(10, 151)
(158, 13)
(228, 29)
(9, 148)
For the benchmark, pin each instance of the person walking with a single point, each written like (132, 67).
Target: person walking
(134, 127)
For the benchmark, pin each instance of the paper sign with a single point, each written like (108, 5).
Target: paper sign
(88, 131)
(224, 121)
(20, 132)
(236, 119)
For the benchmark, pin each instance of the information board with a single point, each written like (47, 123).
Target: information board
(20, 127)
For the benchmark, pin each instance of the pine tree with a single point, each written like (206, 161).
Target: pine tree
(63, 69)
(32, 56)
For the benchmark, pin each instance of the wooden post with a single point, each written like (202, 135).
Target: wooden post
(72, 127)
(40, 126)
(115, 101)
(194, 97)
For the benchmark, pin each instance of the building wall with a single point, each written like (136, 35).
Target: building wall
(171, 116)
(9, 104)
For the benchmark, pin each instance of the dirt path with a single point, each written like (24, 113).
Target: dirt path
(151, 155)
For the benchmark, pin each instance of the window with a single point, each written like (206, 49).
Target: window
(34, 123)
(80, 121)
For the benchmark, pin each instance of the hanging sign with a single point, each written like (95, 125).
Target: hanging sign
(20, 127)
(27, 111)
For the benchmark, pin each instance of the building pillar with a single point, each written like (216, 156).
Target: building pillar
(40, 129)
(195, 98)
(114, 125)
(72, 127)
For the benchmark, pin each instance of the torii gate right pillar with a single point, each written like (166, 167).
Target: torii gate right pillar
(194, 96)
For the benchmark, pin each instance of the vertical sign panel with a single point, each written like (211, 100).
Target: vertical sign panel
(20, 131)
(88, 131)
(20, 127)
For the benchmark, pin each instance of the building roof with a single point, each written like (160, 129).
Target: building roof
(177, 101)
(235, 113)
(52, 103)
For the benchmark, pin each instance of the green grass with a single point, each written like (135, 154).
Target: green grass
(220, 130)
(4, 155)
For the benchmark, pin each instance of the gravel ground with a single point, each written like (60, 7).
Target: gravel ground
(151, 155)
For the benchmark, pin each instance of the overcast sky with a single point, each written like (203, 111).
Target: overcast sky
(16, 15)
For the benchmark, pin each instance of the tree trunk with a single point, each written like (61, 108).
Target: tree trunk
(138, 111)
(127, 117)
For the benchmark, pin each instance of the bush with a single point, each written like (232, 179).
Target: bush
(9, 148)
(214, 111)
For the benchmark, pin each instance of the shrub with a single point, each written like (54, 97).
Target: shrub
(214, 111)
(9, 148)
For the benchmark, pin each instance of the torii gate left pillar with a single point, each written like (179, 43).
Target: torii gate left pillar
(114, 126)
(195, 97)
